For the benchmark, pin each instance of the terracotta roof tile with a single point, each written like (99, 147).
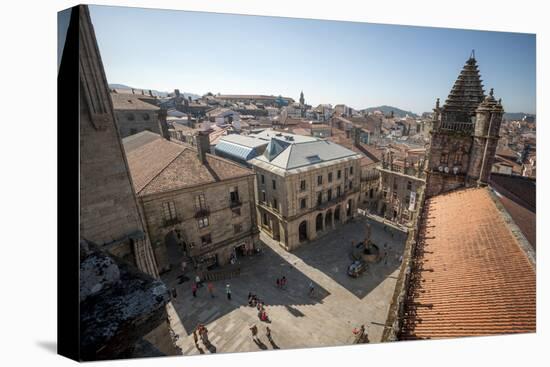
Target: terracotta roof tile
(160, 165)
(469, 275)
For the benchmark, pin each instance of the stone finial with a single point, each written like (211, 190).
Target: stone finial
(500, 101)
(437, 103)
(491, 92)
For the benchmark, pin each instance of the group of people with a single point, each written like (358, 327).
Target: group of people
(254, 301)
(198, 283)
(281, 282)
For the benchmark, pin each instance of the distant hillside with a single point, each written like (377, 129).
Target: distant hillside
(397, 112)
(155, 92)
(517, 115)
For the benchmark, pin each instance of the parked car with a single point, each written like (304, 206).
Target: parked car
(357, 268)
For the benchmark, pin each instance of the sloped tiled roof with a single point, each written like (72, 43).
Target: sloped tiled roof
(160, 165)
(469, 274)
(132, 102)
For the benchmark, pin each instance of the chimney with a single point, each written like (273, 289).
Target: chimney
(203, 144)
(150, 93)
(177, 92)
(163, 125)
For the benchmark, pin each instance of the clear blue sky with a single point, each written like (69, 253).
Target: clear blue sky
(359, 64)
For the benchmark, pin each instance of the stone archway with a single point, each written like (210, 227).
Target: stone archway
(319, 222)
(349, 208)
(302, 231)
(337, 214)
(328, 219)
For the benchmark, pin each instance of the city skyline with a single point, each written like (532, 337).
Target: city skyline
(358, 64)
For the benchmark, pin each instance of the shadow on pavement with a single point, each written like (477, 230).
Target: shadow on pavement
(258, 276)
(331, 254)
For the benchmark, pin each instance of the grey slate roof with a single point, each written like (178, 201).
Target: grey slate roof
(289, 155)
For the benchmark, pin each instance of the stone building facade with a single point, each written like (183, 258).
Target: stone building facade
(305, 187)
(401, 184)
(135, 114)
(199, 208)
(464, 136)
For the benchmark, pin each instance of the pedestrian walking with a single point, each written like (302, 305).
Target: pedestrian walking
(197, 280)
(283, 282)
(194, 289)
(311, 288)
(211, 289)
(278, 283)
(174, 293)
(228, 291)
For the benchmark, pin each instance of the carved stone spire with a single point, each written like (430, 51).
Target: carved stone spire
(467, 92)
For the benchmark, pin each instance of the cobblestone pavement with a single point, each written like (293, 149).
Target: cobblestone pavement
(339, 303)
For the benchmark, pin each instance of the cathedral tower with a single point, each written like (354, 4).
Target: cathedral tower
(485, 139)
(464, 135)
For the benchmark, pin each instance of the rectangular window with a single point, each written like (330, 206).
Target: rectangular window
(351, 171)
(338, 191)
(350, 185)
(458, 158)
(394, 195)
(265, 222)
(409, 185)
(200, 201)
(262, 179)
(275, 204)
(169, 210)
(203, 222)
(444, 159)
(234, 195)
(206, 239)
(274, 184)
(319, 198)
(303, 185)
(237, 228)
(339, 174)
(263, 196)
(330, 177)
(329, 195)
(303, 204)
(395, 184)
(319, 180)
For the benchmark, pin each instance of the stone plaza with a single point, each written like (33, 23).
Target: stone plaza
(298, 320)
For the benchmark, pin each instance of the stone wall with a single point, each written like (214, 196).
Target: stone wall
(108, 209)
(142, 121)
